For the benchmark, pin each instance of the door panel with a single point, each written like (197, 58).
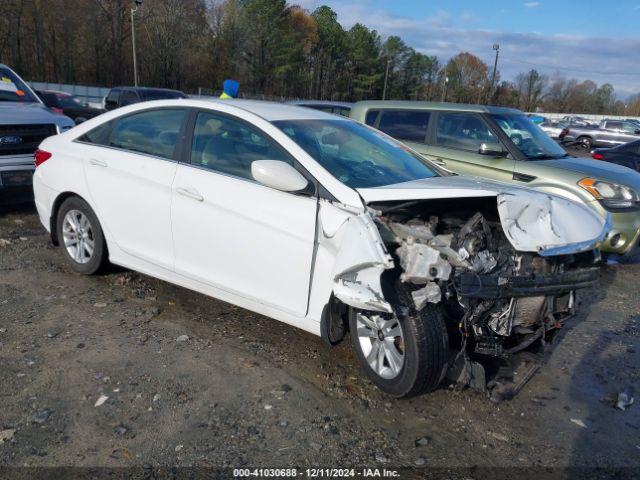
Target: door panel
(130, 179)
(456, 140)
(233, 233)
(132, 193)
(243, 237)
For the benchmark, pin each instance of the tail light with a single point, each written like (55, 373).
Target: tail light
(564, 132)
(597, 156)
(40, 157)
(57, 110)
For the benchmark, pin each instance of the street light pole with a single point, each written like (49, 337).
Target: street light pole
(496, 47)
(386, 76)
(133, 43)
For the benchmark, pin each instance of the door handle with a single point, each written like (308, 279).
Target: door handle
(98, 163)
(439, 161)
(185, 192)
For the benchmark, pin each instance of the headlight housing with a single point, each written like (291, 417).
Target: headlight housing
(611, 195)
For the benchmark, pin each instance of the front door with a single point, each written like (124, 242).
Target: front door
(233, 233)
(455, 144)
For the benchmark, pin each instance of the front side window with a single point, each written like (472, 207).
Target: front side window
(154, 132)
(464, 131)
(230, 146)
(13, 89)
(358, 156)
(129, 97)
(405, 124)
(527, 137)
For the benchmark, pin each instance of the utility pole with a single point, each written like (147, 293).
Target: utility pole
(445, 84)
(386, 77)
(496, 47)
(133, 42)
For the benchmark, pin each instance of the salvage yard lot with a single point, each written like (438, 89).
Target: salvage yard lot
(194, 381)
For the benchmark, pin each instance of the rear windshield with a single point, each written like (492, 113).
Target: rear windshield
(160, 94)
(358, 156)
(13, 89)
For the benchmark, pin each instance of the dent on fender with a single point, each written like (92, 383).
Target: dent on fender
(360, 256)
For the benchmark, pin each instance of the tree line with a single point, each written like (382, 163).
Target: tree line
(271, 47)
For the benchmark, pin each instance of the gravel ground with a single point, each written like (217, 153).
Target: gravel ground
(125, 370)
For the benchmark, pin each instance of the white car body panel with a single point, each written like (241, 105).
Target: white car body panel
(276, 253)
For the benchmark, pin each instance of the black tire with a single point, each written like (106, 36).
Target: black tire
(426, 350)
(586, 143)
(99, 258)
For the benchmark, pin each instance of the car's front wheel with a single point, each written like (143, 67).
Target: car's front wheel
(81, 237)
(403, 356)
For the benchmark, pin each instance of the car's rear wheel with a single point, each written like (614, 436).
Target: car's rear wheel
(81, 237)
(404, 356)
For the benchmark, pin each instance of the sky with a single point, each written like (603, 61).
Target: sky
(583, 39)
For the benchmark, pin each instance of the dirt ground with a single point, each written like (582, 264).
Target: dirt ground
(244, 390)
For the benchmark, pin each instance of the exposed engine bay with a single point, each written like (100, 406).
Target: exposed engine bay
(497, 301)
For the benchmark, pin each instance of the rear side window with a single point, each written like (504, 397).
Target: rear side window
(463, 131)
(113, 95)
(230, 146)
(405, 125)
(154, 132)
(98, 135)
(371, 117)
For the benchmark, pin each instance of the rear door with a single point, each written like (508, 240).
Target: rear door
(455, 140)
(130, 176)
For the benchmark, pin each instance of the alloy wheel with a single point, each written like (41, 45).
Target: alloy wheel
(382, 343)
(78, 236)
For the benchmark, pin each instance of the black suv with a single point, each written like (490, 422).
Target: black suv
(122, 96)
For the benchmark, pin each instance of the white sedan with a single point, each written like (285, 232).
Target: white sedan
(322, 223)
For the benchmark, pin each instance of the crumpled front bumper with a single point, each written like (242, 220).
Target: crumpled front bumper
(471, 285)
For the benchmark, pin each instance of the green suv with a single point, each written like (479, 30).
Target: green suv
(503, 144)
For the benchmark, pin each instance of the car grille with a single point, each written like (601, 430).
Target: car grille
(29, 136)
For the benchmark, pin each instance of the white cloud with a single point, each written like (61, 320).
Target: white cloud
(602, 60)
(532, 4)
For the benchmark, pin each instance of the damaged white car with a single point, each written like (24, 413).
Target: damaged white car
(325, 224)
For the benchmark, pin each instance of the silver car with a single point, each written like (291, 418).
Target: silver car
(24, 122)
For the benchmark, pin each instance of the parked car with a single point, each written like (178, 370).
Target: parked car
(627, 155)
(554, 130)
(338, 108)
(24, 122)
(576, 121)
(69, 105)
(608, 133)
(470, 140)
(123, 96)
(322, 223)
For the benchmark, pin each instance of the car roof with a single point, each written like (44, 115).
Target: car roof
(270, 111)
(419, 105)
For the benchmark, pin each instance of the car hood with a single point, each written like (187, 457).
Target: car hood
(532, 221)
(22, 113)
(586, 167)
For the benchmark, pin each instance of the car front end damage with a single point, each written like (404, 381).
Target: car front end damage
(503, 269)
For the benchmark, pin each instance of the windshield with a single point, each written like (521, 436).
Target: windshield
(358, 156)
(13, 89)
(530, 139)
(161, 94)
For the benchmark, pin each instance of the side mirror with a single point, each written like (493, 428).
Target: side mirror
(492, 150)
(277, 174)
